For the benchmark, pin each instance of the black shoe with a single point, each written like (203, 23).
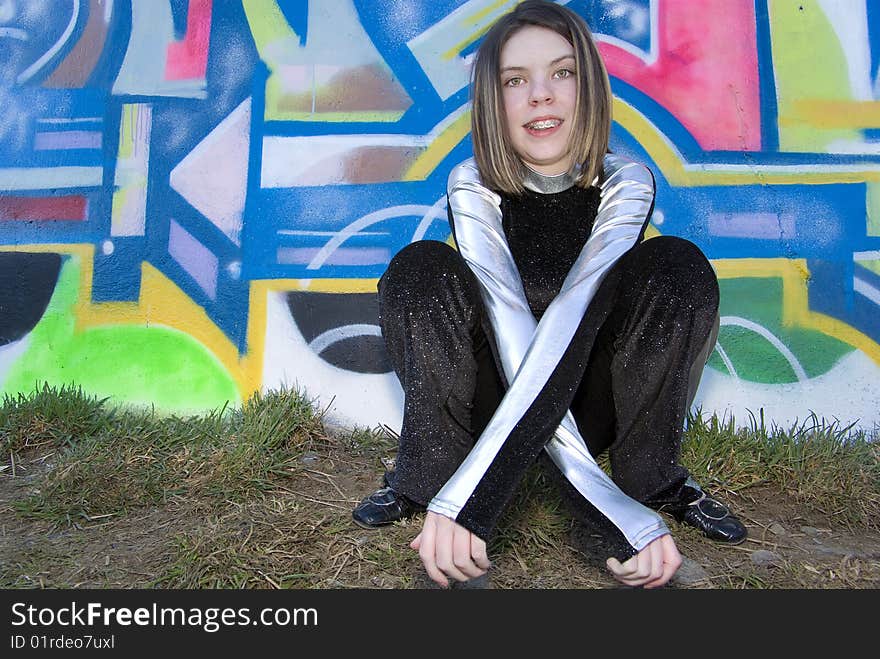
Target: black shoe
(713, 518)
(384, 507)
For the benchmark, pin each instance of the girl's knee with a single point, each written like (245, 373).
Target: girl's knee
(682, 263)
(421, 270)
(420, 256)
(422, 252)
(674, 250)
(674, 275)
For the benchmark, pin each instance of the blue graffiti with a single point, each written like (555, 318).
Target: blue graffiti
(351, 231)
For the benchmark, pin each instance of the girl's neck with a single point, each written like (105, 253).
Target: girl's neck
(544, 183)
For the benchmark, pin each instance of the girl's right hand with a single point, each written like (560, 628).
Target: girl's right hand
(447, 549)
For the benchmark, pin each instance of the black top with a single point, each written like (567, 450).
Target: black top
(545, 233)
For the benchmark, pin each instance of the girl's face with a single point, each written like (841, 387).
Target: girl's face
(539, 89)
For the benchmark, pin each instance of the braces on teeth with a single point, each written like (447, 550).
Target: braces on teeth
(546, 123)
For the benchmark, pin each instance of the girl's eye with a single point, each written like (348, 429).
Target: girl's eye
(514, 82)
(564, 73)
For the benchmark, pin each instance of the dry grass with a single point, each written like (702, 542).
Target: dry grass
(261, 498)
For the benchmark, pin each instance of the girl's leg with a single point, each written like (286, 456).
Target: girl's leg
(643, 374)
(431, 316)
(645, 365)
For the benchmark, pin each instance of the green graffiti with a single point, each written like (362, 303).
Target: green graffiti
(753, 355)
(131, 364)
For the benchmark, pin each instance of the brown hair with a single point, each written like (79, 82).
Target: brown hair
(500, 167)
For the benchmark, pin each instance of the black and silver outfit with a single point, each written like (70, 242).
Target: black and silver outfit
(553, 328)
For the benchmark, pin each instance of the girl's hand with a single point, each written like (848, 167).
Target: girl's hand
(651, 567)
(447, 549)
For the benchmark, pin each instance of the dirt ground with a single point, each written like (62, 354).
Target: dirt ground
(301, 536)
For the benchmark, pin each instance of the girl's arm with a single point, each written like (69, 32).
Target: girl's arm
(530, 353)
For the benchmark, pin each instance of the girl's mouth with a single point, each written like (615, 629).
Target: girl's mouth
(541, 127)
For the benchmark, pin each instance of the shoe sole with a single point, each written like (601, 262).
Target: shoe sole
(727, 542)
(376, 527)
(369, 527)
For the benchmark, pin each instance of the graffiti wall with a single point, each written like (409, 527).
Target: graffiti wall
(197, 197)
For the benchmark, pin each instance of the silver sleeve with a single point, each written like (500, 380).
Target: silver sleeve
(529, 351)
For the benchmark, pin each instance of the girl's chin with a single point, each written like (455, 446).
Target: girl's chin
(548, 167)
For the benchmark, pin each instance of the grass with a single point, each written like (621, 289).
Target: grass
(241, 549)
(260, 497)
(108, 461)
(830, 468)
(49, 419)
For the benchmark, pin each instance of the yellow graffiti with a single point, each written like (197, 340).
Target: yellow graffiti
(117, 206)
(474, 20)
(273, 36)
(128, 206)
(809, 62)
(679, 174)
(796, 310)
(444, 143)
(652, 232)
(127, 130)
(267, 23)
(833, 114)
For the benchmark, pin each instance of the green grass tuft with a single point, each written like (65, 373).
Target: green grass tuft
(49, 418)
(107, 463)
(831, 468)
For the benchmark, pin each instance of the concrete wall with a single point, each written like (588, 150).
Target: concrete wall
(198, 196)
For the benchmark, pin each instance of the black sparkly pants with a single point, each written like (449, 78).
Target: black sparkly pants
(628, 376)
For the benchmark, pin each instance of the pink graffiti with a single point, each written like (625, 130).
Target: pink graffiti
(188, 59)
(706, 72)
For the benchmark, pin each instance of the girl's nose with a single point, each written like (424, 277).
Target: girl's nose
(540, 93)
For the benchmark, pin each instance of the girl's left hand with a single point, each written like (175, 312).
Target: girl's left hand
(652, 567)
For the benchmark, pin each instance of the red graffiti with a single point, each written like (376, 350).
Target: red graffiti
(188, 59)
(706, 71)
(20, 209)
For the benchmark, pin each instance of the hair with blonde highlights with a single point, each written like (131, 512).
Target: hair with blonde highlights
(500, 167)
